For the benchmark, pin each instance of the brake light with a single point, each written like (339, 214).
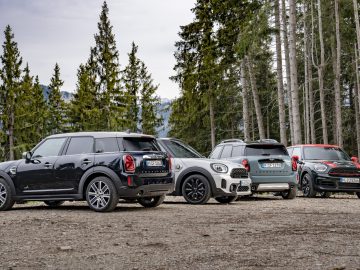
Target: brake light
(294, 161)
(170, 162)
(246, 164)
(129, 163)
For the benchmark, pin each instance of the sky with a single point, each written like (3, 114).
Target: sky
(62, 31)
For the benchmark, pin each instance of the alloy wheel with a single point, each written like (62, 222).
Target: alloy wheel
(99, 194)
(305, 186)
(3, 194)
(195, 189)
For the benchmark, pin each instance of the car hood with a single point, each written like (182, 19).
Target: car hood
(335, 163)
(5, 165)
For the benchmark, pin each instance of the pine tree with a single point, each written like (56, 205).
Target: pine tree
(40, 114)
(150, 118)
(56, 120)
(10, 76)
(112, 100)
(131, 80)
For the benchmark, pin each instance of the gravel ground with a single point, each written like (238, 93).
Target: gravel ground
(257, 233)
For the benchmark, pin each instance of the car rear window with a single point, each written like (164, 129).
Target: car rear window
(139, 144)
(265, 150)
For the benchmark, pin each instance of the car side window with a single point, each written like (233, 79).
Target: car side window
(80, 145)
(238, 151)
(106, 145)
(216, 152)
(226, 153)
(297, 152)
(49, 148)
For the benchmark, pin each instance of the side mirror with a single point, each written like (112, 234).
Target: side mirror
(27, 155)
(355, 159)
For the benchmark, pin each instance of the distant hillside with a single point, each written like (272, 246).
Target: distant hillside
(164, 108)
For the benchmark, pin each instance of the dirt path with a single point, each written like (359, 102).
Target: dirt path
(263, 232)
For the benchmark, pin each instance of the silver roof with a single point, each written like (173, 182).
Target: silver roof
(99, 134)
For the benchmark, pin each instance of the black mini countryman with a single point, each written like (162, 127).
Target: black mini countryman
(324, 169)
(99, 167)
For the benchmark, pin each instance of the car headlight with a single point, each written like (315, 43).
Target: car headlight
(320, 167)
(219, 168)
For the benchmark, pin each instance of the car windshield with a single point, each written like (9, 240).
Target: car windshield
(325, 153)
(140, 144)
(265, 150)
(180, 150)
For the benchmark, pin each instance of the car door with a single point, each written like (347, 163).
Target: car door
(36, 176)
(77, 159)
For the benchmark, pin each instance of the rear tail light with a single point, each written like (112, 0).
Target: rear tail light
(129, 163)
(170, 162)
(294, 161)
(246, 164)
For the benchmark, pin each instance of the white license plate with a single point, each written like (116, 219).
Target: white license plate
(154, 163)
(272, 165)
(350, 180)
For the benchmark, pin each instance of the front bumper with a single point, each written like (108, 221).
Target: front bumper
(324, 182)
(228, 186)
(151, 188)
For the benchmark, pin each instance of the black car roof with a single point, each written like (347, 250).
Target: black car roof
(100, 134)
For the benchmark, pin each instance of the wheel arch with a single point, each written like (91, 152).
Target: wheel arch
(97, 172)
(192, 171)
(8, 180)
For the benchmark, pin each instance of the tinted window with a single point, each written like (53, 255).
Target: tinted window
(297, 152)
(325, 153)
(80, 145)
(265, 150)
(237, 151)
(139, 144)
(106, 145)
(49, 148)
(180, 150)
(216, 152)
(226, 153)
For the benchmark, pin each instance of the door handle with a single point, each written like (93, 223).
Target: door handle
(47, 164)
(86, 161)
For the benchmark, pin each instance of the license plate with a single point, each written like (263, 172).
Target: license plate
(272, 165)
(350, 180)
(154, 163)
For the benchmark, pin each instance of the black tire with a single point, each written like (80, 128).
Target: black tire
(151, 202)
(289, 194)
(101, 194)
(307, 186)
(6, 196)
(226, 199)
(196, 189)
(325, 194)
(358, 194)
(53, 204)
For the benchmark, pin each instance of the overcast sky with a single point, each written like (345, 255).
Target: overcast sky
(62, 31)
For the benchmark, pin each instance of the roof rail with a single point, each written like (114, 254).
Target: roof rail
(267, 141)
(232, 140)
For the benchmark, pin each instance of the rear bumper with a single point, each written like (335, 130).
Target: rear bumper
(273, 183)
(149, 190)
(324, 182)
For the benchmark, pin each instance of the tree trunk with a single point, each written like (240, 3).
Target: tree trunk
(321, 77)
(338, 99)
(357, 25)
(212, 123)
(293, 73)
(287, 67)
(306, 78)
(11, 135)
(245, 99)
(281, 102)
(254, 90)
(357, 98)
